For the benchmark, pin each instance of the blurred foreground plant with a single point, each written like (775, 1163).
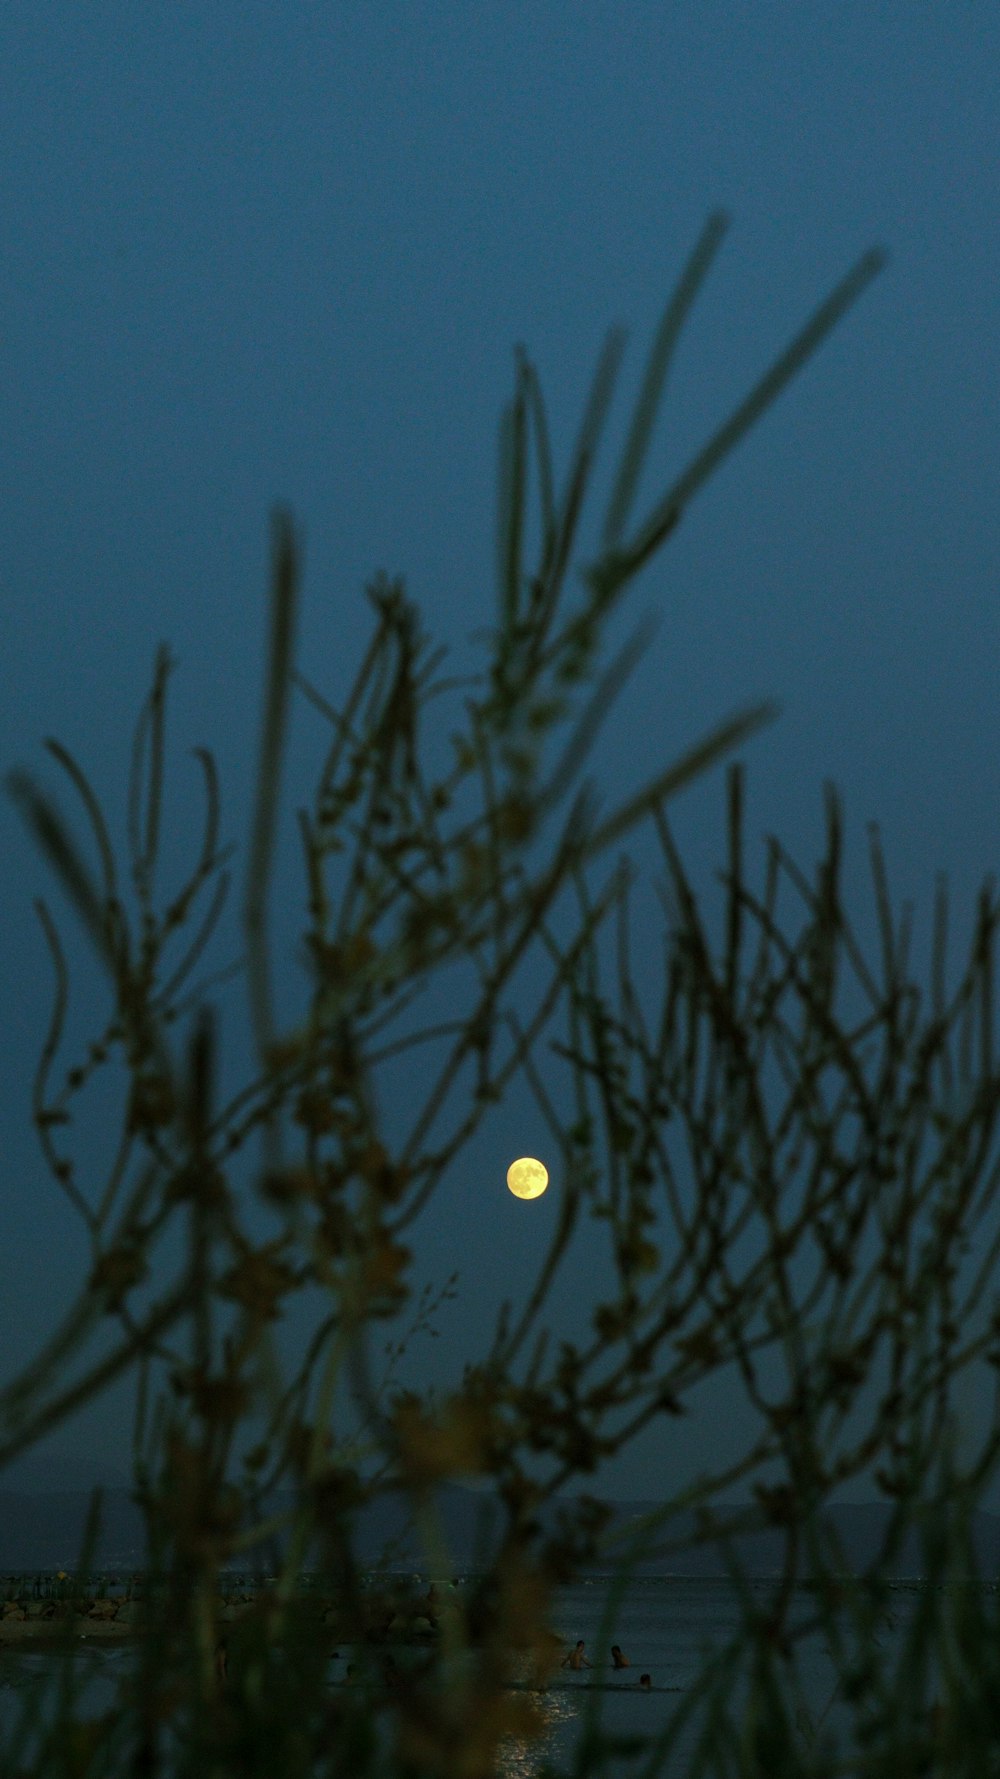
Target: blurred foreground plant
(791, 1152)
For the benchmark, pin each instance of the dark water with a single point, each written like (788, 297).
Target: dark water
(671, 1630)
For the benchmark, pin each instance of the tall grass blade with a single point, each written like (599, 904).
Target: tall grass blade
(766, 391)
(43, 819)
(691, 764)
(657, 367)
(284, 604)
(510, 504)
(595, 414)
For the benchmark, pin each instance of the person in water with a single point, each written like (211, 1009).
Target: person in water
(576, 1658)
(617, 1659)
(645, 1683)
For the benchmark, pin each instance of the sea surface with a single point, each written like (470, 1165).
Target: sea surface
(681, 1632)
(674, 1630)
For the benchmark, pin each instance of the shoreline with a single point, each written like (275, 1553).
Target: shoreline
(78, 1629)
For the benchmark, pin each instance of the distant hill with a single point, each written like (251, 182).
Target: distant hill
(44, 1530)
(860, 1527)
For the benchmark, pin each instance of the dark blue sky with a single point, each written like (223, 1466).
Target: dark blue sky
(256, 253)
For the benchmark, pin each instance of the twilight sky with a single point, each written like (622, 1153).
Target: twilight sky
(284, 253)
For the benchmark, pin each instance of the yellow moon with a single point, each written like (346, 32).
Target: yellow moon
(527, 1178)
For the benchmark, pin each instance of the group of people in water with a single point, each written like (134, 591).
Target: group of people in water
(577, 1660)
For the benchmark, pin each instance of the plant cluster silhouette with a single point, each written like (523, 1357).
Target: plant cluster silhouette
(790, 1149)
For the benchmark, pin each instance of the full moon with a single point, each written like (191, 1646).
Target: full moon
(527, 1178)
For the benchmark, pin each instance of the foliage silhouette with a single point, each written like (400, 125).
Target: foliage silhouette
(788, 1147)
